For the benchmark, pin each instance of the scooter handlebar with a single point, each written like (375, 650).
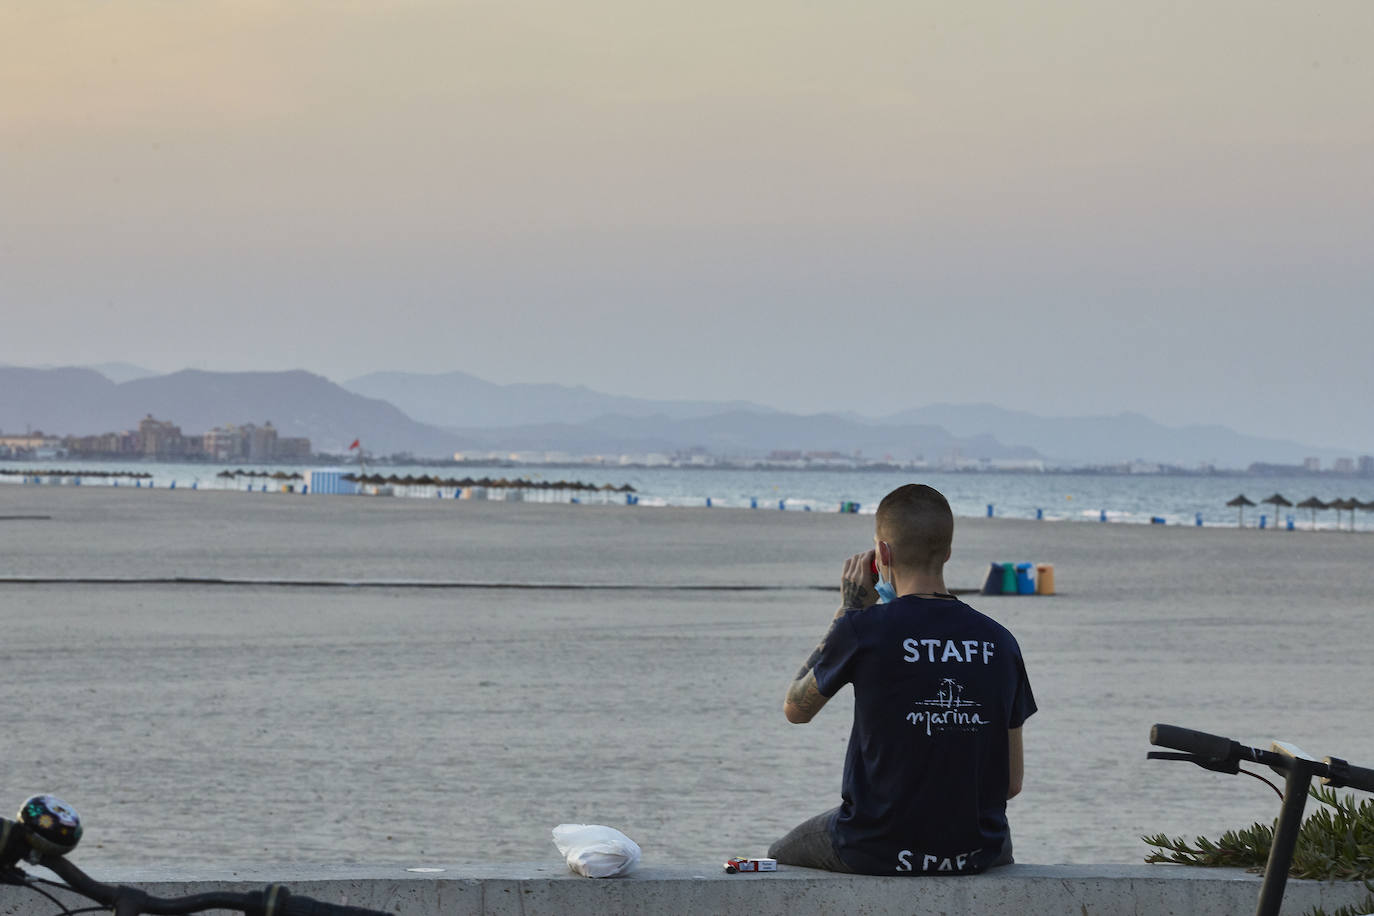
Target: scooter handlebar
(1213, 747)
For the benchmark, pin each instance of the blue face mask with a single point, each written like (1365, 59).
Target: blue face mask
(886, 593)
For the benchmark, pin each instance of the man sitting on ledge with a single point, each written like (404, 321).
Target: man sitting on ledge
(940, 694)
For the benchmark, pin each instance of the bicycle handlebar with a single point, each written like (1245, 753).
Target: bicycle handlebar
(1213, 747)
(1216, 749)
(274, 900)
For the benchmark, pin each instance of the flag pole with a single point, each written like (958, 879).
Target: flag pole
(362, 463)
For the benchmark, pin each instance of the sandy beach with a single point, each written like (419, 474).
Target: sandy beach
(407, 724)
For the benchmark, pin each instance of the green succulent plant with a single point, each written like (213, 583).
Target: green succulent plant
(1335, 843)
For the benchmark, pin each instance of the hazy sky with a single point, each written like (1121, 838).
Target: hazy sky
(1063, 207)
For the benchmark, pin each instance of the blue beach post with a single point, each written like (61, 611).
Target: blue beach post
(989, 510)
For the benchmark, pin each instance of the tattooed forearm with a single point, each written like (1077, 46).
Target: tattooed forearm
(854, 595)
(815, 655)
(805, 698)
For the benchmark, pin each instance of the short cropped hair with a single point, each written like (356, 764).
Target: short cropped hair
(916, 521)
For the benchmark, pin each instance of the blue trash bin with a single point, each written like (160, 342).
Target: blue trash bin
(1025, 585)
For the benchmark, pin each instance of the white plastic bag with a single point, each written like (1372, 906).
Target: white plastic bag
(594, 851)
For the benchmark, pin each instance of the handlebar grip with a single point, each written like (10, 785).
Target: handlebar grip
(1213, 747)
(296, 905)
(1344, 775)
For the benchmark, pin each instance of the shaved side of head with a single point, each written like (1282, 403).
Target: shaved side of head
(916, 521)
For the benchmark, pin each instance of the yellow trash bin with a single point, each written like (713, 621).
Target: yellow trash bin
(1044, 578)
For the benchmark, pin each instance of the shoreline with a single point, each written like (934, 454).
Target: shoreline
(541, 494)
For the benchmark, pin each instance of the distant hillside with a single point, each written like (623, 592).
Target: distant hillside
(458, 399)
(580, 421)
(81, 401)
(1107, 439)
(55, 401)
(122, 372)
(743, 433)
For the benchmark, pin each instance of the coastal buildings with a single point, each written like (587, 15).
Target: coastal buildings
(29, 445)
(163, 440)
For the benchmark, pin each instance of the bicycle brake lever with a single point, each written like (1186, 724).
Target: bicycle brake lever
(1230, 767)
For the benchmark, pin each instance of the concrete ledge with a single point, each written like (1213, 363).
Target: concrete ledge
(535, 889)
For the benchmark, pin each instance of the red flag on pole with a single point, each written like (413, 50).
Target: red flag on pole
(354, 445)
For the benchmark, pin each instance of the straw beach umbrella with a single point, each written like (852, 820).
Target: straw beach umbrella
(1241, 502)
(1314, 504)
(1363, 506)
(1342, 504)
(1278, 500)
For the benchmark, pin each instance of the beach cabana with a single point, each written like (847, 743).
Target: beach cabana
(1314, 504)
(1277, 500)
(1241, 502)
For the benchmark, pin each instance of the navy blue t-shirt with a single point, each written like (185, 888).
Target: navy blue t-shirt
(936, 687)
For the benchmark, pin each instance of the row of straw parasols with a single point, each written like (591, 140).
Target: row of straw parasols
(265, 475)
(427, 480)
(27, 473)
(1278, 501)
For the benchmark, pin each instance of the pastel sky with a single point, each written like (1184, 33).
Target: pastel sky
(1065, 207)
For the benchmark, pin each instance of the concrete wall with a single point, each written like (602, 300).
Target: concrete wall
(535, 889)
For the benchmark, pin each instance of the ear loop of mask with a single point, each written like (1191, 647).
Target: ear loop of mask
(886, 591)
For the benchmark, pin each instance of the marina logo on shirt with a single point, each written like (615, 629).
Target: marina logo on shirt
(948, 711)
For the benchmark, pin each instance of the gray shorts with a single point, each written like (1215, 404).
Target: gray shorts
(809, 845)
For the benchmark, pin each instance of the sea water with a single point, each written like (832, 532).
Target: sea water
(633, 676)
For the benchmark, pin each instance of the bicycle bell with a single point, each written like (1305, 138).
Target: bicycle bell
(54, 826)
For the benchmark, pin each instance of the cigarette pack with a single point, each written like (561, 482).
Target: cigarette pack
(739, 863)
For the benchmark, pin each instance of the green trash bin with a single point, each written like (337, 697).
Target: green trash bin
(1009, 578)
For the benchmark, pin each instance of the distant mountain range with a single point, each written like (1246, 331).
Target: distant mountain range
(1107, 439)
(436, 415)
(457, 399)
(82, 401)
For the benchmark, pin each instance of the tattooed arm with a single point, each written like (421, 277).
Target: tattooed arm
(804, 698)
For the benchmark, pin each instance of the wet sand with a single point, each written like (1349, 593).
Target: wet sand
(210, 723)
